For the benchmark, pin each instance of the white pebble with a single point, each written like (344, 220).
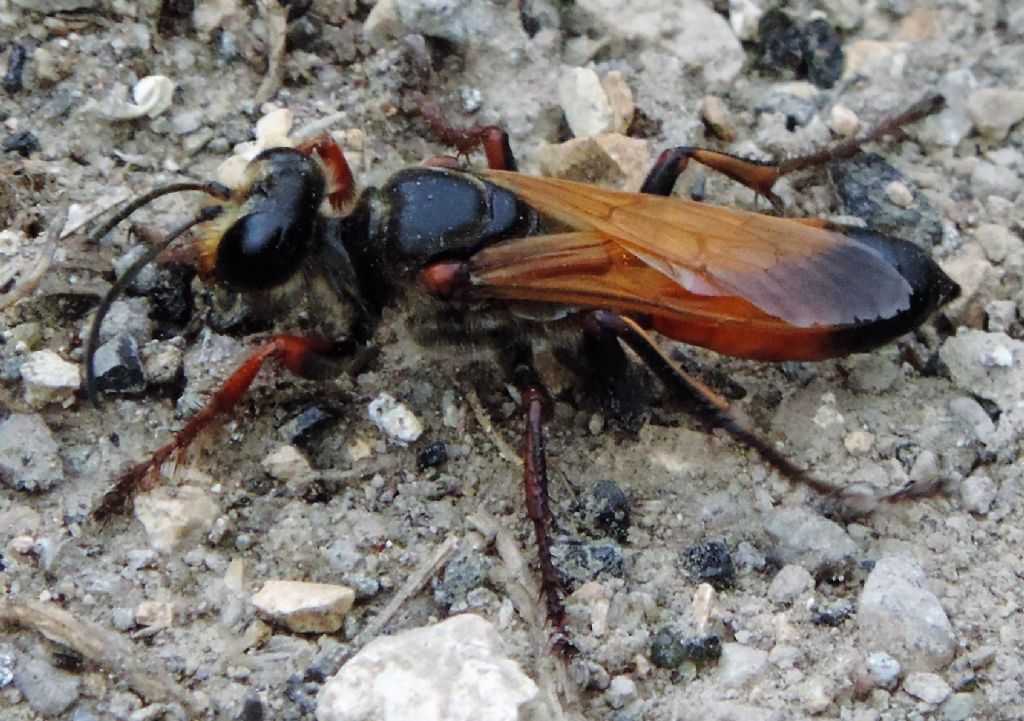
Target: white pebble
(978, 493)
(928, 687)
(48, 378)
(304, 607)
(153, 95)
(394, 419)
(899, 194)
(286, 463)
(621, 691)
(884, 669)
(843, 121)
(859, 442)
(173, 516)
(585, 103)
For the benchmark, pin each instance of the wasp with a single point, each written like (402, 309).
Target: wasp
(506, 255)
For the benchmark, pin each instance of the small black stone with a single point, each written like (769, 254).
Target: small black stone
(834, 616)
(667, 649)
(823, 53)
(169, 289)
(68, 659)
(581, 561)
(24, 143)
(607, 510)
(780, 43)
(118, 366)
(670, 648)
(712, 563)
(703, 649)
(432, 456)
(303, 34)
(303, 428)
(252, 709)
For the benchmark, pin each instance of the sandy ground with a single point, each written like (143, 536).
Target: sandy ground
(905, 412)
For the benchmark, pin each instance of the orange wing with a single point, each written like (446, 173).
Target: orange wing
(741, 283)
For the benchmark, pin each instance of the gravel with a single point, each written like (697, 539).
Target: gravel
(901, 612)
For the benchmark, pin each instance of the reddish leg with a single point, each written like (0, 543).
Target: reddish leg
(704, 402)
(341, 184)
(491, 138)
(761, 176)
(302, 356)
(535, 484)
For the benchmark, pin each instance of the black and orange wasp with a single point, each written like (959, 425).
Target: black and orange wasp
(454, 245)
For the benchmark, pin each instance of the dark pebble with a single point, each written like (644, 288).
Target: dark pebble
(860, 186)
(670, 648)
(118, 366)
(813, 51)
(252, 709)
(606, 509)
(780, 41)
(304, 428)
(581, 561)
(823, 53)
(711, 563)
(302, 689)
(432, 456)
(68, 659)
(15, 69)
(169, 289)
(834, 616)
(303, 34)
(24, 143)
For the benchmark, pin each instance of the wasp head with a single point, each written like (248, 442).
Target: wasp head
(268, 225)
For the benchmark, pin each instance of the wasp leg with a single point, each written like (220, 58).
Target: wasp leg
(757, 175)
(537, 407)
(491, 138)
(341, 183)
(302, 356)
(705, 403)
(760, 176)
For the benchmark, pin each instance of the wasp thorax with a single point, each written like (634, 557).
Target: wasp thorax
(267, 233)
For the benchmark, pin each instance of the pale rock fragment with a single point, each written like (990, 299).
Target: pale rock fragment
(304, 607)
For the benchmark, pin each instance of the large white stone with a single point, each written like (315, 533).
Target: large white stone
(452, 671)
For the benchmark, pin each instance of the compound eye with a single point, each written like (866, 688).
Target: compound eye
(261, 250)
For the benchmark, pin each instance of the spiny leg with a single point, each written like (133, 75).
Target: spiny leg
(302, 356)
(760, 176)
(536, 406)
(704, 402)
(491, 138)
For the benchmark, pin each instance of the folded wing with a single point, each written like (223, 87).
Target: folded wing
(719, 260)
